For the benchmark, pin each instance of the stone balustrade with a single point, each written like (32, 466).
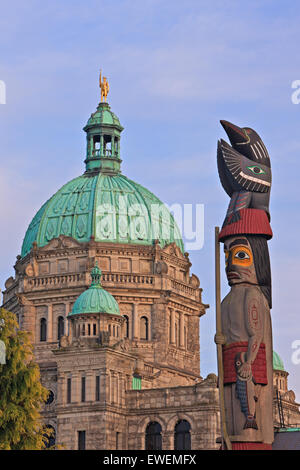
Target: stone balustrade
(56, 280)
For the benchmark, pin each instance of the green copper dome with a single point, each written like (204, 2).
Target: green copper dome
(95, 299)
(103, 116)
(110, 208)
(103, 203)
(277, 362)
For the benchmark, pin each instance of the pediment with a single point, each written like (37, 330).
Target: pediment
(61, 242)
(174, 250)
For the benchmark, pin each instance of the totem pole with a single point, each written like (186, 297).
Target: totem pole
(245, 332)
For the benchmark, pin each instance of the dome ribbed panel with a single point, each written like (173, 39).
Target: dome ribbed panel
(69, 212)
(32, 231)
(126, 212)
(112, 208)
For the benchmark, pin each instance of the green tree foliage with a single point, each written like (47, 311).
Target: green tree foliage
(21, 392)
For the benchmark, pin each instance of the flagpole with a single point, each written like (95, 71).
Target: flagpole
(225, 437)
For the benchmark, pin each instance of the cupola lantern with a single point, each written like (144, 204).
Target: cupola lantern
(103, 131)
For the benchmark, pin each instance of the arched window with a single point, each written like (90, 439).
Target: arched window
(50, 398)
(126, 326)
(144, 328)
(153, 439)
(60, 327)
(49, 437)
(182, 435)
(43, 329)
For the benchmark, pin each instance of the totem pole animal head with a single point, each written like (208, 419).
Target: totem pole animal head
(246, 165)
(239, 359)
(247, 142)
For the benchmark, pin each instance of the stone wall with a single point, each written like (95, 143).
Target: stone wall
(197, 404)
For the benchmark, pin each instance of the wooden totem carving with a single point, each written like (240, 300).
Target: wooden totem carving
(246, 337)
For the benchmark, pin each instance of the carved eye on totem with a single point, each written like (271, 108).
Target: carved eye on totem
(257, 170)
(238, 363)
(241, 255)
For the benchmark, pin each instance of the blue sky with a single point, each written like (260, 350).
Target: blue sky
(175, 69)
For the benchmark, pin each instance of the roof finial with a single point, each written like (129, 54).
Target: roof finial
(104, 87)
(96, 274)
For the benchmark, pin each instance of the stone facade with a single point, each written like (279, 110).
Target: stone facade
(286, 409)
(197, 404)
(150, 284)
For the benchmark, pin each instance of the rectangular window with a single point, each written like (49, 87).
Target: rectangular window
(69, 390)
(117, 440)
(81, 440)
(82, 388)
(136, 383)
(94, 329)
(98, 388)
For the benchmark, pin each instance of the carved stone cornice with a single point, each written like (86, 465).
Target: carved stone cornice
(22, 300)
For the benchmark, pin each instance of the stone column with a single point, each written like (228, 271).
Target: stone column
(90, 386)
(67, 311)
(111, 387)
(61, 398)
(103, 381)
(119, 400)
(122, 390)
(117, 385)
(128, 382)
(172, 320)
(135, 322)
(181, 330)
(114, 387)
(168, 440)
(50, 323)
(75, 388)
(28, 317)
(70, 328)
(107, 386)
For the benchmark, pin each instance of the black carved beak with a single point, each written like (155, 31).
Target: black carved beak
(235, 133)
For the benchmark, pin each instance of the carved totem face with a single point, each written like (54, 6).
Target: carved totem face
(239, 261)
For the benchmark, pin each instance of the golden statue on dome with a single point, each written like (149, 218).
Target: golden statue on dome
(104, 87)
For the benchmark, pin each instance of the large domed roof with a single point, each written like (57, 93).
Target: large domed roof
(110, 208)
(103, 203)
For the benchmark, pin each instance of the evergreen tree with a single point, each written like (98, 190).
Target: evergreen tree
(21, 392)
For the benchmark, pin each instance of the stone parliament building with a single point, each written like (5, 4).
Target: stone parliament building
(105, 288)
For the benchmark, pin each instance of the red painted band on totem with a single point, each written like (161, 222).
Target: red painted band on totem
(251, 221)
(251, 446)
(259, 366)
